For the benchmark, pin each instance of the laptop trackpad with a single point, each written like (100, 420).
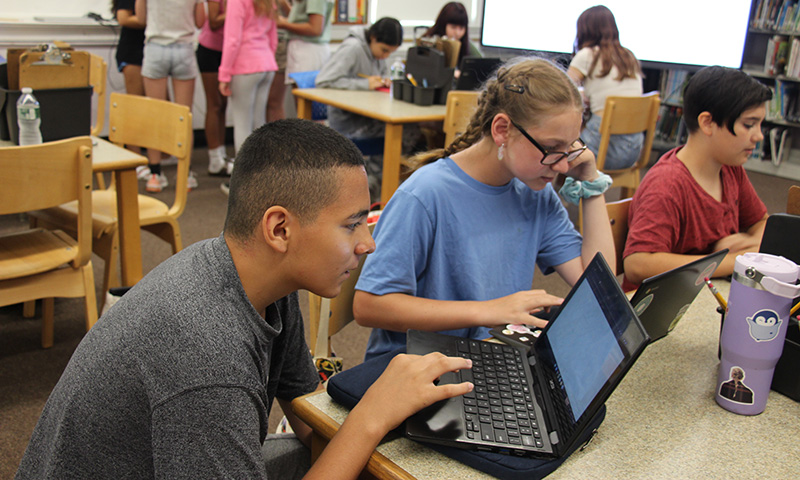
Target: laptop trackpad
(440, 420)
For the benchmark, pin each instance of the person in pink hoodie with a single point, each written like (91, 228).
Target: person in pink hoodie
(248, 63)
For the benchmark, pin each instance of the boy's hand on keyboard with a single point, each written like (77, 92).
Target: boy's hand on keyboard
(518, 308)
(409, 385)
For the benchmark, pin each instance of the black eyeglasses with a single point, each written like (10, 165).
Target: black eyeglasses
(551, 158)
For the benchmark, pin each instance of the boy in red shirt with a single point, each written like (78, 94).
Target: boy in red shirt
(697, 199)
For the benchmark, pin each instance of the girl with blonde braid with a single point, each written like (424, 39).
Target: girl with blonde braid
(458, 243)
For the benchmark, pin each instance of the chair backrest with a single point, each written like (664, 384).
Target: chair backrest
(626, 115)
(98, 71)
(339, 310)
(793, 202)
(618, 216)
(47, 175)
(158, 124)
(460, 106)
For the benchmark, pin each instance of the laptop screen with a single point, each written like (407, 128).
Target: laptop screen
(592, 341)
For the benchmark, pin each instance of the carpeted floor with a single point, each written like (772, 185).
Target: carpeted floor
(28, 373)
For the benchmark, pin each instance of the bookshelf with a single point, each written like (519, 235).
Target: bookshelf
(772, 55)
(350, 12)
(670, 129)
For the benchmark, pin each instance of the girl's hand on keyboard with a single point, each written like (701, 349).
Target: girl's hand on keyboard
(518, 308)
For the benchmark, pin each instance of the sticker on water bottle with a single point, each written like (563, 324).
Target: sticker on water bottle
(764, 325)
(734, 389)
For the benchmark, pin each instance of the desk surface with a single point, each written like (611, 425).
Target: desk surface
(370, 103)
(661, 422)
(106, 156)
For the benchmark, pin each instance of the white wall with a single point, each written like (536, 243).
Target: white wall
(53, 8)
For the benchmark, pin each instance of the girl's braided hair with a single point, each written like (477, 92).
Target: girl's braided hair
(526, 89)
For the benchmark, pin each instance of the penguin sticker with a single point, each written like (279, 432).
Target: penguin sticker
(764, 325)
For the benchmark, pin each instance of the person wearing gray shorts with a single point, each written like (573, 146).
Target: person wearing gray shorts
(169, 52)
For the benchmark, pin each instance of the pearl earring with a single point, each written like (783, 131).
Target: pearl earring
(500, 152)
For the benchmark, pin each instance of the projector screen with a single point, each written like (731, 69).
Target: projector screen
(674, 32)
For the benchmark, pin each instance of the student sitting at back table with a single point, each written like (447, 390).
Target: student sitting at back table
(697, 199)
(177, 379)
(453, 22)
(459, 241)
(605, 68)
(360, 64)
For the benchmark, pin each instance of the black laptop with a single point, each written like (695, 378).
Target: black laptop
(661, 300)
(475, 71)
(538, 402)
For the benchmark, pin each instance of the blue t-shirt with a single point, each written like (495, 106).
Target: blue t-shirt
(446, 236)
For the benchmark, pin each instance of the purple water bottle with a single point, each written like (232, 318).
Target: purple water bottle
(762, 289)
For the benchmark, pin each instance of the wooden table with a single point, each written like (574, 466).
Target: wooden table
(662, 422)
(380, 106)
(107, 157)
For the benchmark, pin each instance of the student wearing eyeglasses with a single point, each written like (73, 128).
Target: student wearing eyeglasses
(458, 243)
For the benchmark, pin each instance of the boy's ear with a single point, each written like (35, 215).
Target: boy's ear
(706, 123)
(276, 228)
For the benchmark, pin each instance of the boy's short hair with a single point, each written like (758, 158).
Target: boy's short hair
(724, 93)
(289, 163)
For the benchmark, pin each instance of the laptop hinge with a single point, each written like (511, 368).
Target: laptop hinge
(554, 437)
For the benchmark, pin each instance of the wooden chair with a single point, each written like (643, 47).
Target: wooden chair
(149, 123)
(626, 115)
(338, 311)
(460, 106)
(98, 71)
(38, 262)
(793, 203)
(618, 216)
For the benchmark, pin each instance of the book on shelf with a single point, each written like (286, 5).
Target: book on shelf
(781, 15)
(672, 86)
(668, 123)
(777, 55)
(784, 104)
(351, 11)
(780, 142)
(793, 65)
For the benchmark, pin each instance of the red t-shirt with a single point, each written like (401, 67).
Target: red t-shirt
(670, 212)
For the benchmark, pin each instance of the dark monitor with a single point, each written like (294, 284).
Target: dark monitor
(475, 71)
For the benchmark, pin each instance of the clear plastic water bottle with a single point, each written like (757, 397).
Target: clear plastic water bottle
(398, 69)
(29, 118)
(398, 72)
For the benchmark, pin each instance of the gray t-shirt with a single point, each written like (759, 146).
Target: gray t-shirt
(175, 381)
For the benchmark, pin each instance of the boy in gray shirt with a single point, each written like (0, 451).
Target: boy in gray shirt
(178, 378)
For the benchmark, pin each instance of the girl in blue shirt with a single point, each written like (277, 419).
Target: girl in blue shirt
(458, 243)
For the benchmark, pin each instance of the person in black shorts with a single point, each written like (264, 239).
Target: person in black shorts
(130, 51)
(209, 56)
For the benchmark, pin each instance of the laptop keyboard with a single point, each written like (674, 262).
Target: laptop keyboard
(500, 408)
